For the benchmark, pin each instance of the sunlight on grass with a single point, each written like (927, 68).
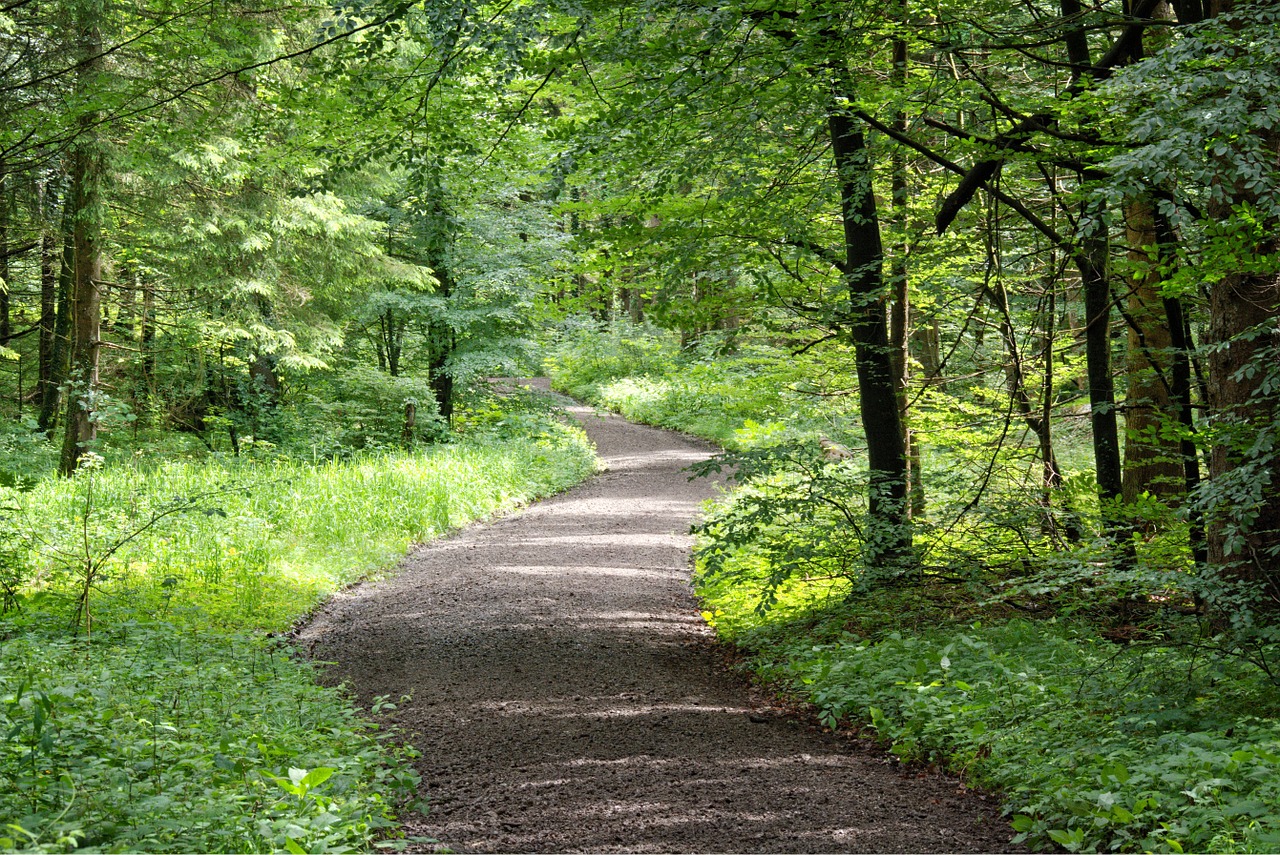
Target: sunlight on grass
(167, 721)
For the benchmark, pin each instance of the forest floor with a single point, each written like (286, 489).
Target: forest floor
(567, 696)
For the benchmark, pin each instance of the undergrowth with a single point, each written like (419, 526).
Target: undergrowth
(145, 701)
(755, 396)
(159, 738)
(1094, 745)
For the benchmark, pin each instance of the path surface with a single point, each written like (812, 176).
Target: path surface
(566, 697)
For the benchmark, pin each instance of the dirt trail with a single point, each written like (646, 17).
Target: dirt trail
(566, 697)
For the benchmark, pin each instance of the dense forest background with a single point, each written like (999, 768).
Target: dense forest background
(981, 299)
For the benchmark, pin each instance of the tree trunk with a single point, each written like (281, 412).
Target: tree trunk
(900, 318)
(147, 340)
(48, 298)
(392, 342)
(6, 286)
(635, 305)
(1092, 263)
(1152, 455)
(410, 422)
(51, 401)
(889, 540)
(1180, 374)
(1243, 343)
(88, 166)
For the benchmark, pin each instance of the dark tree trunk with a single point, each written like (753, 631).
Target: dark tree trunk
(1180, 379)
(86, 310)
(900, 319)
(1092, 263)
(635, 305)
(890, 540)
(1243, 343)
(442, 386)
(51, 401)
(410, 422)
(443, 344)
(1243, 340)
(147, 340)
(87, 170)
(48, 302)
(265, 382)
(6, 285)
(392, 342)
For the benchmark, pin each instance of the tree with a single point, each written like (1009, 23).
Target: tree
(1216, 140)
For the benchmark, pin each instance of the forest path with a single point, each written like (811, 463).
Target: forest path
(566, 696)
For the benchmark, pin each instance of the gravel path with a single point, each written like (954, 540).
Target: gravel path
(566, 695)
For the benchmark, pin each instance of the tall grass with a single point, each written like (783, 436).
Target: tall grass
(253, 545)
(146, 709)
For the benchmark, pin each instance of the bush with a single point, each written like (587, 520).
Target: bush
(155, 738)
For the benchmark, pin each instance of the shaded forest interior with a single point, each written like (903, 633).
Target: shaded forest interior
(983, 302)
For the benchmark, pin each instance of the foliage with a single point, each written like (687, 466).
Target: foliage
(1093, 745)
(255, 542)
(360, 408)
(170, 725)
(160, 738)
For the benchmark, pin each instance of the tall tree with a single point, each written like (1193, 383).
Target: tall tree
(85, 200)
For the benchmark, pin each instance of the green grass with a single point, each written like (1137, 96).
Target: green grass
(159, 738)
(170, 720)
(759, 395)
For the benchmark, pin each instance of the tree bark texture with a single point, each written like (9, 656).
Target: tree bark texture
(48, 302)
(51, 401)
(87, 170)
(877, 387)
(1244, 342)
(1152, 453)
(1092, 263)
(6, 285)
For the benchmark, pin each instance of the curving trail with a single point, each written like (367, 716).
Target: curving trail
(565, 696)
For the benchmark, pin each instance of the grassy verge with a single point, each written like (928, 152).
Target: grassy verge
(171, 720)
(756, 396)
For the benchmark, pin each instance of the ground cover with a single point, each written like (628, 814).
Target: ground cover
(146, 697)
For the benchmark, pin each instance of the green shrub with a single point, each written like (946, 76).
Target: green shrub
(157, 738)
(586, 356)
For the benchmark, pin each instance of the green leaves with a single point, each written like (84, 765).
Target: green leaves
(162, 739)
(300, 782)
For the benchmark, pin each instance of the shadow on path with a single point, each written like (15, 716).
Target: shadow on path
(565, 696)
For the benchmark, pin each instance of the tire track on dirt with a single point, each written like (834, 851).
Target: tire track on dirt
(566, 696)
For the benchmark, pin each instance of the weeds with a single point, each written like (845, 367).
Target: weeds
(155, 738)
(177, 725)
(1094, 745)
